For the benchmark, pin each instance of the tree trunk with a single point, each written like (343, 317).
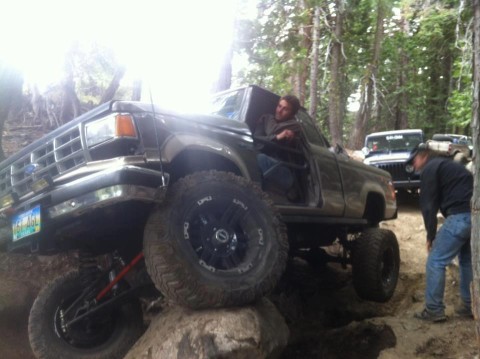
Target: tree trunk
(114, 85)
(11, 83)
(475, 239)
(335, 101)
(302, 63)
(137, 90)
(38, 105)
(401, 113)
(224, 80)
(368, 84)
(70, 102)
(314, 63)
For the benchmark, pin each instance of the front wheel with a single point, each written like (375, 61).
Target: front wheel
(217, 241)
(109, 333)
(375, 264)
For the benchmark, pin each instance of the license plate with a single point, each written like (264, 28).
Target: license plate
(26, 223)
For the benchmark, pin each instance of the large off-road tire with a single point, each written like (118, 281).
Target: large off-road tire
(107, 334)
(216, 241)
(375, 264)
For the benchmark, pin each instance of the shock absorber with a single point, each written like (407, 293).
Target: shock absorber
(88, 268)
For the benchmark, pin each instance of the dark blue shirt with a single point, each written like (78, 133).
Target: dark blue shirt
(447, 186)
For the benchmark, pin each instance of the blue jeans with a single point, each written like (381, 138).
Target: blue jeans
(281, 175)
(452, 239)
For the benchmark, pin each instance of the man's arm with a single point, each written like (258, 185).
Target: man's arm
(283, 133)
(261, 130)
(430, 200)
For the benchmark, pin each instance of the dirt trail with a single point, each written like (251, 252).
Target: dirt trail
(325, 316)
(328, 320)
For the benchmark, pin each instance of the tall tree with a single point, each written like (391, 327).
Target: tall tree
(70, 107)
(224, 79)
(336, 107)
(314, 63)
(136, 90)
(401, 104)
(112, 88)
(278, 45)
(475, 240)
(369, 83)
(301, 60)
(11, 83)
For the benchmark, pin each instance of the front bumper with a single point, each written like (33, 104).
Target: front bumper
(407, 184)
(68, 203)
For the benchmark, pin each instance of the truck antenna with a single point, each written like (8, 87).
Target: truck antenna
(156, 135)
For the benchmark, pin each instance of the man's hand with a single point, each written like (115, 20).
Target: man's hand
(429, 245)
(286, 135)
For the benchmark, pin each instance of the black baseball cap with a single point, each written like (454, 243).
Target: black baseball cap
(421, 147)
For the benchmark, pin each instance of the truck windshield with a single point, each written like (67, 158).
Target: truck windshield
(393, 143)
(227, 104)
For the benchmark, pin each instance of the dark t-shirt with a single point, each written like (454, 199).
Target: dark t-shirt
(447, 186)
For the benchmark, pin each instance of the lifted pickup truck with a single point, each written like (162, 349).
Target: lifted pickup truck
(458, 146)
(130, 180)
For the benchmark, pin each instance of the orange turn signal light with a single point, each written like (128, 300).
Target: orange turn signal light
(124, 126)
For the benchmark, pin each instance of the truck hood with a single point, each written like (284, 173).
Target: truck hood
(188, 119)
(217, 122)
(387, 157)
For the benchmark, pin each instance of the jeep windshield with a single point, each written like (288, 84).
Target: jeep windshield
(398, 142)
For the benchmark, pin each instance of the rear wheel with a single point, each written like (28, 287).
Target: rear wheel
(375, 264)
(108, 333)
(216, 241)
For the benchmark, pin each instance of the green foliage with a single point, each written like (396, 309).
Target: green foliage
(425, 52)
(274, 44)
(460, 108)
(424, 70)
(93, 68)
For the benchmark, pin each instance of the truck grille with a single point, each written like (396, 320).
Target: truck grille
(52, 158)
(397, 170)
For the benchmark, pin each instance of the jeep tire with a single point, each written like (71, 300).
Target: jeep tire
(105, 334)
(216, 241)
(375, 264)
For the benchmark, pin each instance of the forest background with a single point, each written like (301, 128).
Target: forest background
(358, 66)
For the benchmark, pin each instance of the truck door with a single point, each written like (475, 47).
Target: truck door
(324, 169)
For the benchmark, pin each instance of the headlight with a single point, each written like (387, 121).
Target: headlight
(8, 200)
(110, 127)
(409, 168)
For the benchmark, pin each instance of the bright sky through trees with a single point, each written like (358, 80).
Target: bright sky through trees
(176, 47)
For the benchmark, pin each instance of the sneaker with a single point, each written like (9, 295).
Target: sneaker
(464, 310)
(430, 317)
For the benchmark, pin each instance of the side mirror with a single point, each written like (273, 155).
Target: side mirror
(365, 150)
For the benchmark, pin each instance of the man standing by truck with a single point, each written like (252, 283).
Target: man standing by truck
(447, 186)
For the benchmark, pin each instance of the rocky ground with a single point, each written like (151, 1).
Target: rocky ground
(325, 317)
(328, 320)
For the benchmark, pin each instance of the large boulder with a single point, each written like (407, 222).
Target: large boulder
(256, 331)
